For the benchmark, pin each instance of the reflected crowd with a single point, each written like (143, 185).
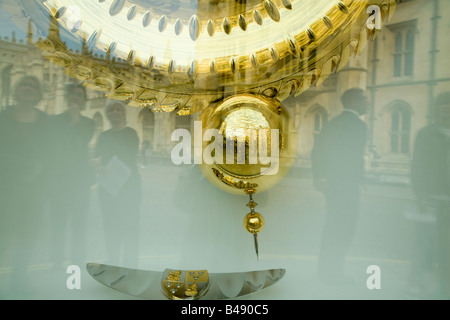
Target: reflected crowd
(48, 170)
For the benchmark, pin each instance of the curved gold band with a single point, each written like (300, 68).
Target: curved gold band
(287, 66)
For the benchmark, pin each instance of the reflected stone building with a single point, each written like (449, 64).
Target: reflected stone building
(402, 70)
(19, 57)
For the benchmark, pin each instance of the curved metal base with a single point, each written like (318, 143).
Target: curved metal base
(183, 284)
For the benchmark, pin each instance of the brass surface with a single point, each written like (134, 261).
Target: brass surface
(184, 285)
(240, 120)
(254, 222)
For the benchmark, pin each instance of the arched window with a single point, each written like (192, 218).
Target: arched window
(315, 119)
(404, 34)
(183, 122)
(398, 55)
(6, 86)
(409, 53)
(400, 130)
(147, 122)
(309, 128)
(318, 122)
(320, 117)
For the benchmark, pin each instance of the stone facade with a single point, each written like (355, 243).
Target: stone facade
(403, 70)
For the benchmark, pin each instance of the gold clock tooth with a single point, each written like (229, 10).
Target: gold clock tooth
(257, 17)
(146, 19)
(162, 24)
(194, 28)
(210, 27)
(242, 22)
(226, 26)
(272, 10)
(178, 27)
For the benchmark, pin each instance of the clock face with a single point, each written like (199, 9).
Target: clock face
(185, 30)
(182, 54)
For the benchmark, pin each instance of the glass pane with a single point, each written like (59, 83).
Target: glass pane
(317, 122)
(395, 124)
(148, 124)
(410, 41)
(183, 122)
(394, 143)
(141, 206)
(409, 63)
(398, 43)
(405, 143)
(6, 86)
(397, 65)
(148, 120)
(406, 121)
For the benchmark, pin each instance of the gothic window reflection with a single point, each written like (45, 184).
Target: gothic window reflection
(147, 124)
(183, 122)
(320, 118)
(404, 47)
(400, 130)
(6, 86)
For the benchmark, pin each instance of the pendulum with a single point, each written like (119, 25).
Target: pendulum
(253, 222)
(253, 149)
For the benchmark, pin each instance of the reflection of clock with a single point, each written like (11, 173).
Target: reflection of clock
(184, 54)
(235, 61)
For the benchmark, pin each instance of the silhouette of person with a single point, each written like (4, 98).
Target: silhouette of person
(72, 176)
(119, 186)
(338, 170)
(430, 176)
(24, 139)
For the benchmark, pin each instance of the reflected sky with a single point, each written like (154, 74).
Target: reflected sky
(7, 27)
(10, 25)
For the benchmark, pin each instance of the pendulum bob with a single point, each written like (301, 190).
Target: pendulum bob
(254, 222)
(246, 144)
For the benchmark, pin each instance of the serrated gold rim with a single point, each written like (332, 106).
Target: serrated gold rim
(287, 67)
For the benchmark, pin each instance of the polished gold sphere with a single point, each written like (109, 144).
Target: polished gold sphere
(253, 145)
(254, 222)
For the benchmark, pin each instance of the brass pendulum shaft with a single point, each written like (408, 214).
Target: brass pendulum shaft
(254, 222)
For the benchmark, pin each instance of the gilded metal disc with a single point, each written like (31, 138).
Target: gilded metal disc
(247, 143)
(180, 55)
